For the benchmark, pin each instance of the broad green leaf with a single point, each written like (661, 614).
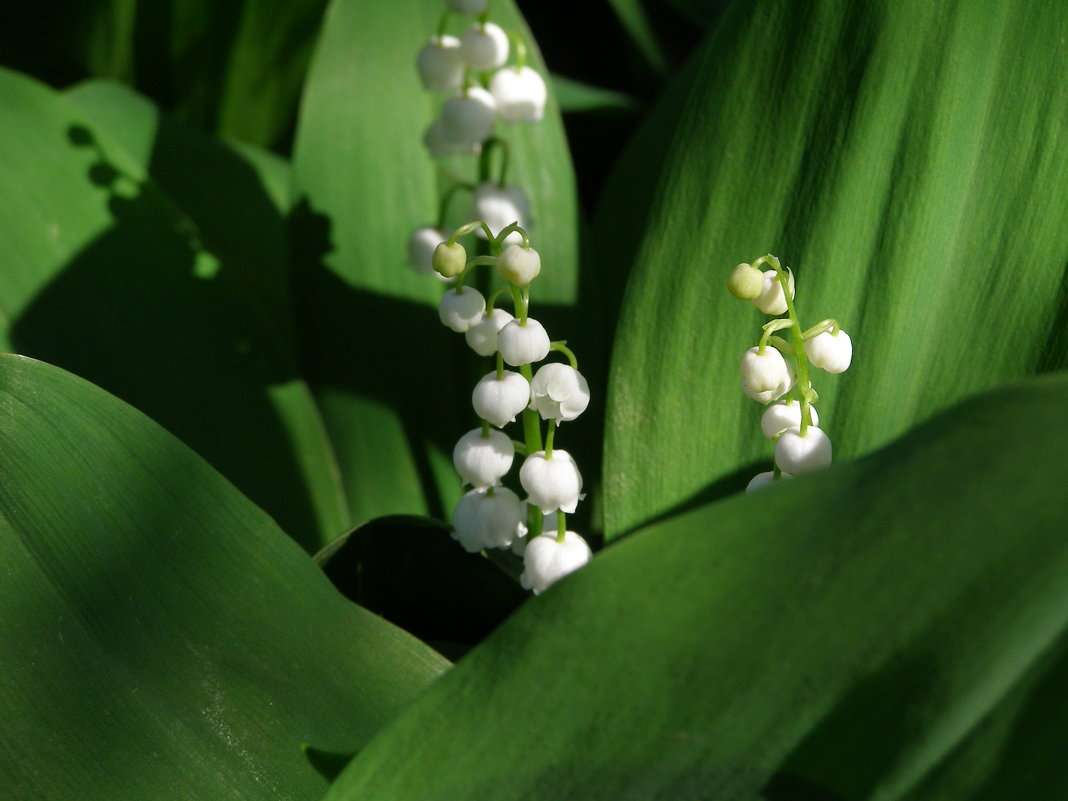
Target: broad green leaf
(411, 572)
(838, 635)
(393, 384)
(106, 277)
(162, 638)
(906, 160)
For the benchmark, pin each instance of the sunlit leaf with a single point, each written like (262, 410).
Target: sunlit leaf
(836, 637)
(162, 638)
(906, 160)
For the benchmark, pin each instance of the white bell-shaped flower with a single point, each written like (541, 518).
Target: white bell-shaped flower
(484, 46)
(441, 146)
(780, 416)
(461, 308)
(469, 7)
(771, 299)
(761, 480)
(765, 376)
(521, 344)
(802, 454)
(482, 460)
(559, 392)
(484, 520)
(421, 246)
(500, 206)
(831, 352)
(499, 400)
(546, 561)
(441, 68)
(520, 94)
(519, 265)
(468, 117)
(482, 336)
(553, 483)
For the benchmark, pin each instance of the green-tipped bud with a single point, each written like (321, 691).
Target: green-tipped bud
(449, 260)
(746, 282)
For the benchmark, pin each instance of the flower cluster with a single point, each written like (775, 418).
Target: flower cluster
(491, 515)
(791, 421)
(479, 88)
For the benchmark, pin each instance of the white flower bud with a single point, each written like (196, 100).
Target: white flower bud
(500, 400)
(771, 299)
(441, 146)
(559, 392)
(520, 94)
(484, 46)
(523, 344)
(461, 308)
(421, 246)
(553, 483)
(780, 416)
(481, 520)
(447, 260)
(831, 352)
(470, 7)
(500, 206)
(546, 561)
(519, 265)
(765, 377)
(482, 461)
(802, 454)
(441, 69)
(746, 282)
(482, 336)
(468, 117)
(761, 480)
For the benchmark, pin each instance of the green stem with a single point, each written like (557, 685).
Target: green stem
(442, 24)
(531, 419)
(561, 347)
(550, 432)
(503, 234)
(520, 304)
(500, 366)
(561, 525)
(804, 382)
(520, 48)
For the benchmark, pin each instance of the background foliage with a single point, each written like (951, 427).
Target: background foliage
(204, 209)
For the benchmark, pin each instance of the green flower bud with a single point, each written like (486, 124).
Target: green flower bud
(746, 282)
(449, 260)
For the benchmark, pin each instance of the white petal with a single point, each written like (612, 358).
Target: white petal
(546, 561)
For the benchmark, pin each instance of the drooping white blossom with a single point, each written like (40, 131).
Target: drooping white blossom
(484, 46)
(483, 459)
(441, 68)
(421, 246)
(780, 416)
(830, 352)
(461, 308)
(546, 561)
(802, 454)
(521, 343)
(468, 116)
(761, 480)
(519, 265)
(482, 336)
(499, 400)
(771, 299)
(441, 146)
(520, 94)
(765, 376)
(553, 483)
(559, 392)
(484, 520)
(499, 207)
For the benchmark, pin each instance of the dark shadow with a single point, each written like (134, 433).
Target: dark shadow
(861, 739)
(148, 314)
(412, 573)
